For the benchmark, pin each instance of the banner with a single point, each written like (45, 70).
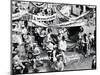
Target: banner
(18, 15)
(70, 24)
(29, 16)
(44, 18)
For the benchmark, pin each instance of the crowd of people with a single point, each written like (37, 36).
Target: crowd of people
(87, 43)
(29, 43)
(32, 41)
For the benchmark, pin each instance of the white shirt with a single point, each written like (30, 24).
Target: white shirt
(50, 46)
(62, 45)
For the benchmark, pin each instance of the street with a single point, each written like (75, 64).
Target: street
(75, 61)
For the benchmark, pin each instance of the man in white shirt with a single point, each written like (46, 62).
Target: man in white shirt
(62, 47)
(62, 44)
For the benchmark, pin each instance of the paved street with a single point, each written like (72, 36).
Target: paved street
(84, 64)
(75, 61)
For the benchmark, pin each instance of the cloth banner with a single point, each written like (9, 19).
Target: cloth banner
(44, 18)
